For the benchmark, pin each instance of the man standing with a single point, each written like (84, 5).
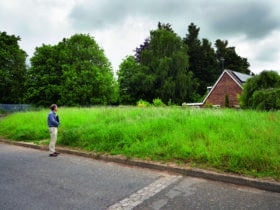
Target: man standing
(53, 123)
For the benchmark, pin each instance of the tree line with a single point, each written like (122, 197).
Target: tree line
(76, 72)
(175, 69)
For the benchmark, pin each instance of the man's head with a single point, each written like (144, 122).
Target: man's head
(53, 107)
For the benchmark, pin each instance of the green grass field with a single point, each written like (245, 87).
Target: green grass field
(238, 141)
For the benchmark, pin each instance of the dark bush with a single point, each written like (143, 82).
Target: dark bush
(261, 92)
(268, 99)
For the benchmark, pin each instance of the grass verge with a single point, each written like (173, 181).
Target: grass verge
(238, 141)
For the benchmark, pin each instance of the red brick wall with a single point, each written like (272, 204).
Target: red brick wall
(226, 86)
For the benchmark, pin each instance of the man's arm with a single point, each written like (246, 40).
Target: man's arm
(52, 120)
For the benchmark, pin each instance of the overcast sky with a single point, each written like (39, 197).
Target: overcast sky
(119, 26)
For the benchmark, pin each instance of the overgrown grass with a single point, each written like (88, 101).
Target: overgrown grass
(242, 142)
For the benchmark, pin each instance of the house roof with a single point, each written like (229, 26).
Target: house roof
(242, 78)
(237, 77)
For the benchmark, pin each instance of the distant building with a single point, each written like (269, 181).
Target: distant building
(227, 88)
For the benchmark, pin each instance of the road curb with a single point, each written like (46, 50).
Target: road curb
(272, 186)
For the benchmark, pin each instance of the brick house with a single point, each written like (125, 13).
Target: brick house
(229, 85)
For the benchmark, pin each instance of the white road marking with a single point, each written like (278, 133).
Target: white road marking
(143, 194)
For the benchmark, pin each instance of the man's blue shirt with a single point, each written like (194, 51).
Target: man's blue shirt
(52, 120)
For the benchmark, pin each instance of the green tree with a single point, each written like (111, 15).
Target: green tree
(87, 74)
(164, 63)
(12, 69)
(268, 99)
(73, 72)
(229, 59)
(44, 76)
(127, 74)
(209, 68)
(194, 49)
(203, 62)
(258, 90)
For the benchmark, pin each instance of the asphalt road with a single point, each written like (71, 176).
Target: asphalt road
(29, 179)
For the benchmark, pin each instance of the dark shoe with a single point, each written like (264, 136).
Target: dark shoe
(56, 153)
(53, 155)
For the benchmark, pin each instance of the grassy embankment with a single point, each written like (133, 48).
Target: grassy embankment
(242, 142)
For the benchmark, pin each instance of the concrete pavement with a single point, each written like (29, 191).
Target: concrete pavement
(262, 184)
(29, 179)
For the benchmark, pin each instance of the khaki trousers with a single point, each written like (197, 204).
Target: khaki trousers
(53, 133)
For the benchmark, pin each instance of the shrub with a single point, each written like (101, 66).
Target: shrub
(254, 88)
(2, 111)
(209, 105)
(266, 99)
(226, 101)
(158, 102)
(142, 103)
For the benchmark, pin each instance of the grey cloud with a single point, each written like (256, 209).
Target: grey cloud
(269, 53)
(252, 19)
(92, 15)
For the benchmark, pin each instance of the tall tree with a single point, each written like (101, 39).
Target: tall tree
(162, 68)
(229, 59)
(194, 50)
(141, 48)
(87, 73)
(73, 72)
(44, 76)
(209, 66)
(203, 62)
(12, 69)
(129, 79)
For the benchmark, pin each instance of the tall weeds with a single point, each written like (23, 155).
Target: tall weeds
(244, 142)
